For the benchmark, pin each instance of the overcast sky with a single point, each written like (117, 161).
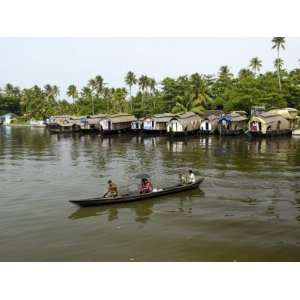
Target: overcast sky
(63, 61)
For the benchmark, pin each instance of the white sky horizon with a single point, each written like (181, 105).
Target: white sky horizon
(64, 61)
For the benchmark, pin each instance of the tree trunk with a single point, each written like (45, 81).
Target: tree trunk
(278, 70)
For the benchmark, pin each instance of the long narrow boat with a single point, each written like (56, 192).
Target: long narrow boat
(136, 197)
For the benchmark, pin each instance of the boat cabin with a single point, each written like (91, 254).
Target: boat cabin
(158, 123)
(137, 125)
(63, 124)
(116, 123)
(91, 123)
(290, 114)
(233, 123)
(184, 124)
(269, 124)
(7, 118)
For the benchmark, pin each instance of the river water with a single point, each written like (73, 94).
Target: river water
(248, 207)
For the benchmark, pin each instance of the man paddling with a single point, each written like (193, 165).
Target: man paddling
(112, 190)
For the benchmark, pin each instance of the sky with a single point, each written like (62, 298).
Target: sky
(63, 61)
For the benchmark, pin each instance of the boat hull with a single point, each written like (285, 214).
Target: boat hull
(136, 197)
(270, 134)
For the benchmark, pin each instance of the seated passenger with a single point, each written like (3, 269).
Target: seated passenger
(146, 186)
(112, 190)
(191, 177)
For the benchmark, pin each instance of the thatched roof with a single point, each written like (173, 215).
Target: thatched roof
(186, 117)
(163, 118)
(268, 118)
(209, 113)
(288, 113)
(121, 118)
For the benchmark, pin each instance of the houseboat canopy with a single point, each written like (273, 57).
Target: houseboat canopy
(120, 118)
(287, 113)
(163, 118)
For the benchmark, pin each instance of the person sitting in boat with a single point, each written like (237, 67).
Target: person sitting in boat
(112, 190)
(182, 179)
(191, 177)
(146, 186)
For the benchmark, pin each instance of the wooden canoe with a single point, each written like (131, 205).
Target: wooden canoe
(136, 197)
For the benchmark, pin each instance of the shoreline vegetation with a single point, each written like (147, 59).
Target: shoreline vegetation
(187, 93)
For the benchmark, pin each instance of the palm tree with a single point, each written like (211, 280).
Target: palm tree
(278, 43)
(130, 80)
(255, 64)
(72, 92)
(99, 85)
(188, 102)
(278, 64)
(243, 73)
(224, 72)
(152, 84)
(55, 91)
(143, 82)
(196, 83)
(92, 84)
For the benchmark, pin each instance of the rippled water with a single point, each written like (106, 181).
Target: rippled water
(248, 207)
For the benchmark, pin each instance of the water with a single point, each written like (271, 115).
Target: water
(248, 208)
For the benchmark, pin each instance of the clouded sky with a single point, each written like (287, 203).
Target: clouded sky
(63, 61)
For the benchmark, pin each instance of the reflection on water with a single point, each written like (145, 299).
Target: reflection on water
(248, 207)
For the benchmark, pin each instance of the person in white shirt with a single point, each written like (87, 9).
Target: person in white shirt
(191, 177)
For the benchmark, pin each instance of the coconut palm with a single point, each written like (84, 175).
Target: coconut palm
(152, 84)
(278, 43)
(130, 80)
(255, 64)
(224, 72)
(278, 64)
(188, 102)
(143, 82)
(72, 92)
(243, 73)
(99, 85)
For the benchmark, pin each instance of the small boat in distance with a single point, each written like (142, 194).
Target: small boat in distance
(136, 197)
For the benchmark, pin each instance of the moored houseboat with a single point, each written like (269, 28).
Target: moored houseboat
(116, 123)
(137, 125)
(63, 124)
(209, 123)
(157, 124)
(268, 124)
(184, 124)
(234, 123)
(91, 124)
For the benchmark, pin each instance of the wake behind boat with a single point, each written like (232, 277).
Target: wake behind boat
(136, 197)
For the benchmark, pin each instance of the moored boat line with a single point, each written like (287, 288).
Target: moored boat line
(270, 123)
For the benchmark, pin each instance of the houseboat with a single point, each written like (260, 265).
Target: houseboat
(91, 124)
(290, 114)
(7, 119)
(234, 123)
(63, 124)
(116, 123)
(209, 123)
(158, 123)
(184, 124)
(137, 125)
(268, 124)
